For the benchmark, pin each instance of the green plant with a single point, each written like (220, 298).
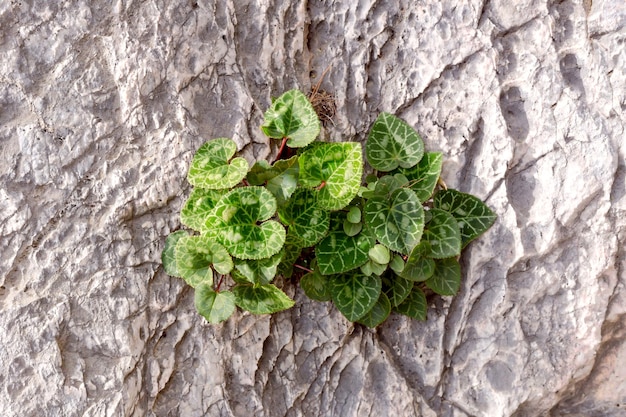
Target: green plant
(370, 249)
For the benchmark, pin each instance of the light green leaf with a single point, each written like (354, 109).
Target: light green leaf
(306, 220)
(198, 206)
(335, 169)
(446, 279)
(257, 271)
(235, 223)
(380, 254)
(423, 177)
(472, 215)
(315, 286)
(354, 215)
(210, 168)
(214, 306)
(377, 269)
(292, 116)
(392, 143)
(262, 299)
(284, 184)
(352, 229)
(168, 257)
(195, 255)
(397, 263)
(419, 266)
(397, 222)
(338, 253)
(262, 172)
(414, 306)
(396, 288)
(443, 235)
(378, 313)
(355, 294)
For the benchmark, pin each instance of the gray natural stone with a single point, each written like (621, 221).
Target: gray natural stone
(102, 105)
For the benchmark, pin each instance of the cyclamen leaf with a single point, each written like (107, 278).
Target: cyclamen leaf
(472, 215)
(414, 306)
(396, 288)
(378, 313)
(257, 271)
(210, 168)
(198, 207)
(214, 306)
(306, 220)
(315, 286)
(443, 235)
(195, 255)
(292, 116)
(446, 279)
(335, 169)
(168, 256)
(392, 143)
(380, 254)
(355, 294)
(352, 229)
(423, 177)
(262, 171)
(397, 222)
(354, 215)
(338, 253)
(234, 223)
(284, 185)
(419, 267)
(262, 299)
(291, 250)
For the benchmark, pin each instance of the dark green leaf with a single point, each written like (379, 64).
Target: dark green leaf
(262, 171)
(315, 286)
(214, 306)
(414, 306)
(334, 169)
(198, 207)
(378, 313)
(397, 222)
(262, 299)
(419, 266)
(355, 294)
(423, 177)
(168, 257)
(235, 223)
(292, 116)
(396, 288)
(443, 235)
(291, 250)
(306, 220)
(259, 271)
(392, 143)
(472, 215)
(210, 168)
(446, 279)
(338, 252)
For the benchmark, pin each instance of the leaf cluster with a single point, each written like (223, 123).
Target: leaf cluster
(375, 247)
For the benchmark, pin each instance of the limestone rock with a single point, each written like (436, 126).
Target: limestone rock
(102, 105)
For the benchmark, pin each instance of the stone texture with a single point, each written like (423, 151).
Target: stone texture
(102, 105)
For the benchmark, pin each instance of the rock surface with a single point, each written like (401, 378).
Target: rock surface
(102, 105)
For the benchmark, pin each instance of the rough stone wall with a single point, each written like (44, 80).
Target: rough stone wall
(103, 103)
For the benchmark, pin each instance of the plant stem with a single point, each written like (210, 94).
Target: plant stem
(219, 284)
(303, 268)
(280, 150)
(322, 185)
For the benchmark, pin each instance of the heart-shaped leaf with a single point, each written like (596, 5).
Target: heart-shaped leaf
(291, 252)
(378, 313)
(443, 235)
(256, 271)
(315, 286)
(261, 299)
(306, 220)
(235, 219)
(354, 215)
(380, 254)
(168, 257)
(355, 294)
(472, 215)
(446, 279)
(397, 222)
(292, 116)
(392, 143)
(214, 306)
(262, 171)
(419, 266)
(414, 305)
(198, 207)
(210, 168)
(335, 169)
(338, 253)
(423, 177)
(197, 256)
(284, 185)
(396, 288)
